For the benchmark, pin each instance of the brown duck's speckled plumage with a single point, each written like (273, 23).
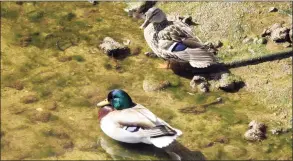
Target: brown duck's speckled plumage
(159, 36)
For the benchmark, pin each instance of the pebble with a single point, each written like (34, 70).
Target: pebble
(39, 109)
(218, 44)
(126, 42)
(247, 40)
(262, 41)
(273, 9)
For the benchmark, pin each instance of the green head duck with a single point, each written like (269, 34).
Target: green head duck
(118, 99)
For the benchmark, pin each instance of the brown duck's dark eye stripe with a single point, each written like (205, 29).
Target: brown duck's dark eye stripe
(146, 6)
(155, 12)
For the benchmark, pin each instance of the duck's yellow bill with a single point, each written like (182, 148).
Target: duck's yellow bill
(103, 103)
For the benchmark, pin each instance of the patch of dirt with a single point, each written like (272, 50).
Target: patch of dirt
(29, 99)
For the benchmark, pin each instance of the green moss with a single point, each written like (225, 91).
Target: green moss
(70, 16)
(36, 16)
(9, 13)
(99, 19)
(177, 92)
(61, 81)
(43, 91)
(78, 58)
(45, 152)
(200, 98)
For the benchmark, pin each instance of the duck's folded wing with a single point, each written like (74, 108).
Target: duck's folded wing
(161, 127)
(197, 57)
(175, 33)
(151, 128)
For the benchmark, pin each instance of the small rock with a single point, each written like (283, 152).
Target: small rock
(39, 109)
(247, 40)
(277, 33)
(275, 26)
(113, 48)
(219, 99)
(197, 80)
(200, 83)
(265, 33)
(203, 87)
(256, 125)
(280, 34)
(277, 131)
(273, 9)
(126, 42)
(229, 82)
(29, 99)
(218, 44)
(262, 41)
(68, 144)
(187, 20)
(256, 131)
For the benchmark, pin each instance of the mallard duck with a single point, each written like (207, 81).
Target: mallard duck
(174, 40)
(128, 122)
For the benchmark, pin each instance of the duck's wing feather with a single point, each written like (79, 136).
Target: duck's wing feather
(138, 116)
(176, 31)
(197, 57)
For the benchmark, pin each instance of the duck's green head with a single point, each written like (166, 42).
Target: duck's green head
(118, 99)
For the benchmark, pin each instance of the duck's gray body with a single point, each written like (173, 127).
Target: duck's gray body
(161, 38)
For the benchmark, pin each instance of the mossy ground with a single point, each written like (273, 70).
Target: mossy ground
(77, 78)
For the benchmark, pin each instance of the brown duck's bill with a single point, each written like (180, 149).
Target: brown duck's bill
(103, 103)
(145, 24)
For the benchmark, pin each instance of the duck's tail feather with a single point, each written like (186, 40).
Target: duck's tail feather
(162, 136)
